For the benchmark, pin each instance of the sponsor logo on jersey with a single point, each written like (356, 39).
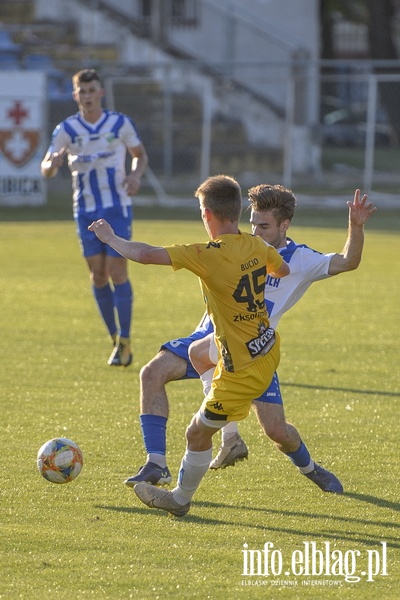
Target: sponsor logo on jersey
(263, 343)
(88, 158)
(249, 316)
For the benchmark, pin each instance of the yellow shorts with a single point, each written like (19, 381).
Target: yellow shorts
(231, 394)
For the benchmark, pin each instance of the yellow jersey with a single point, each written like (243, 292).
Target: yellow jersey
(232, 271)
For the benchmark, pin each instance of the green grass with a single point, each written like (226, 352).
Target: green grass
(92, 538)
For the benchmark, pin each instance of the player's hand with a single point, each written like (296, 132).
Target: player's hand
(360, 209)
(132, 184)
(102, 229)
(57, 159)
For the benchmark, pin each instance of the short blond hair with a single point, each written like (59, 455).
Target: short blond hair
(222, 195)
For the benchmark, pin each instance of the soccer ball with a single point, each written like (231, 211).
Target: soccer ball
(60, 460)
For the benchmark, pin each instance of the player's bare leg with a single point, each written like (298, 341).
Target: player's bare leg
(154, 376)
(287, 439)
(272, 420)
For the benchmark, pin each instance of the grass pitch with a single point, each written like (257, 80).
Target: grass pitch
(92, 538)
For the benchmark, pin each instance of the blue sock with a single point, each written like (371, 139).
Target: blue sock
(154, 431)
(123, 297)
(301, 457)
(104, 297)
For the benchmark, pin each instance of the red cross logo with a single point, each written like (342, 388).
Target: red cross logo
(17, 114)
(17, 143)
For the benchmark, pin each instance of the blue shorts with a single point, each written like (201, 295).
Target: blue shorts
(180, 347)
(272, 395)
(120, 219)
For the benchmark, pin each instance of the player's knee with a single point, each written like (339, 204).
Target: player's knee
(153, 374)
(99, 279)
(161, 369)
(194, 434)
(199, 436)
(148, 373)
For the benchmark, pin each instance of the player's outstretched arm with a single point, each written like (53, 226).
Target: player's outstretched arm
(137, 251)
(360, 211)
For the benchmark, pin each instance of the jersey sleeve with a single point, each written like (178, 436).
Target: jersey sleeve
(315, 266)
(274, 259)
(59, 139)
(191, 257)
(130, 134)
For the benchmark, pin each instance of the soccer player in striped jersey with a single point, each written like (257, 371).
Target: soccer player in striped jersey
(272, 210)
(96, 142)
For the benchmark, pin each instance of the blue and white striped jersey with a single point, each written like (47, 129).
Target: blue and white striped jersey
(96, 158)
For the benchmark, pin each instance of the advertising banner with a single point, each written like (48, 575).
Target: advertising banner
(22, 137)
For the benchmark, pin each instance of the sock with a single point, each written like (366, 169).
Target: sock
(228, 431)
(206, 379)
(123, 298)
(104, 297)
(154, 432)
(158, 459)
(301, 459)
(194, 466)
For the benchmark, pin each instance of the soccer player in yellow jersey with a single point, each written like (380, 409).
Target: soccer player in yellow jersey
(232, 268)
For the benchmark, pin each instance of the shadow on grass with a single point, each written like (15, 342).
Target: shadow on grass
(341, 389)
(374, 500)
(323, 533)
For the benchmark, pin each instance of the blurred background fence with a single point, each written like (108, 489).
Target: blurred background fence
(233, 87)
(354, 141)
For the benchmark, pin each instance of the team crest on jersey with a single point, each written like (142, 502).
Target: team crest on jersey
(79, 140)
(19, 138)
(110, 137)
